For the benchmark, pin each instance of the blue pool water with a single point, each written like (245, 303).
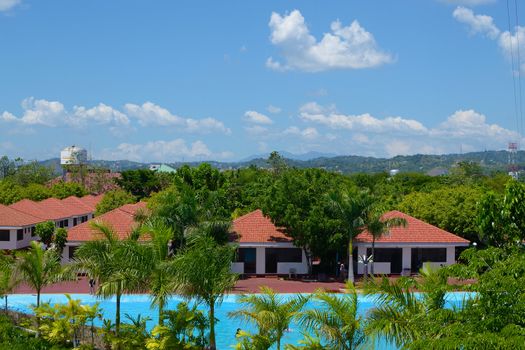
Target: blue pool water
(226, 328)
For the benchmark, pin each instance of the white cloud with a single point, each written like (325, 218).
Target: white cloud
(6, 5)
(273, 109)
(478, 24)
(257, 118)
(163, 151)
(350, 47)
(307, 133)
(312, 112)
(369, 135)
(507, 41)
(54, 114)
(149, 114)
(100, 114)
(257, 130)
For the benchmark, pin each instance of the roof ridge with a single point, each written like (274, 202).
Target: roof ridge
(247, 215)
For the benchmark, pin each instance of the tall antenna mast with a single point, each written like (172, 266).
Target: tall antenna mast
(512, 166)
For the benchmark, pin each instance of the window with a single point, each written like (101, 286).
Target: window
(75, 221)
(4, 235)
(84, 218)
(19, 235)
(286, 255)
(72, 250)
(33, 231)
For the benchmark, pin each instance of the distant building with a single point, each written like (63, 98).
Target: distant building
(162, 168)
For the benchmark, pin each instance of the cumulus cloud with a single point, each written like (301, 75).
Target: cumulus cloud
(507, 41)
(53, 114)
(273, 109)
(392, 135)
(257, 118)
(345, 47)
(307, 133)
(478, 24)
(163, 151)
(149, 114)
(312, 112)
(6, 5)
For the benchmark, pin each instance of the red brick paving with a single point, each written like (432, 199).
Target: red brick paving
(250, 285)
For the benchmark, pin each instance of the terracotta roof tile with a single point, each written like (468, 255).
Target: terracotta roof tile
(77, 206)
(11, 217)
(33, 208)
(121, 220)
(254, 227)
(416, 231)
(56, 208)
(91, 200)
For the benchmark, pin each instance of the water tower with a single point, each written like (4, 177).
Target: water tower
(73, 160)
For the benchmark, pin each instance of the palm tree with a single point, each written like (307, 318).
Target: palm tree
(202, 271)
(401, 314)
(120, 266)
(8, 280)
(336, 321)
(38, 268)
(270, 312)
(160, 276)
(348, 208)
(377, 226)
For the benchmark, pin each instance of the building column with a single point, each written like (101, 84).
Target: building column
(451, 255)
(260, 254)
(361, 251)
(407, 258)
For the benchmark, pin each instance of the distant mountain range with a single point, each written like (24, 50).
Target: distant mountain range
(422, 163)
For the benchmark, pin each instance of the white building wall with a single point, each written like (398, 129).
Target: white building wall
(407, 253)
(13, 242)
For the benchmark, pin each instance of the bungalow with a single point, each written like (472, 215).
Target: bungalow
(264, 248)
(404, 249)
(121, 220)
(17, 228)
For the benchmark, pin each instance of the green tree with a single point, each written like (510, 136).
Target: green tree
(112, 200)
(45, 230)
(8, 280)
(159, 263)
(276, 162)
(377, 226)
(32, 173)
(38, 268)
(298, 202)
(185, 328)
(202, 271)
(451, 208)
(60, 239)
(270, 312)
(335, 320)
(402, 316)
(141, 183)
(118, 265)
(63, 190)
(348, 210)
(36, 192)
(501, 219)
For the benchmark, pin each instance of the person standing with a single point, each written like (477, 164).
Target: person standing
(92, 286)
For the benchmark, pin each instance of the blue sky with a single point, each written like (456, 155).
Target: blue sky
(196, 80)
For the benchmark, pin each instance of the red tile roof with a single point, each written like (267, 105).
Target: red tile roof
(56, 208)
(33, 208)
(91, 201)
(121, 220)
(416, 231)
(77, 206)
(10, 217)
(254, 227)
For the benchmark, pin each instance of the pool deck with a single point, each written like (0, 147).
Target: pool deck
(249, 285)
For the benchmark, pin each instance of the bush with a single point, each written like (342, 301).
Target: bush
(16, 339)
(114, 199)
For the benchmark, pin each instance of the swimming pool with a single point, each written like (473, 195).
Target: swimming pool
(226, 328)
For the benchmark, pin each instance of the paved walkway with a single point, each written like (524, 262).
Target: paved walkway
(250, 285)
